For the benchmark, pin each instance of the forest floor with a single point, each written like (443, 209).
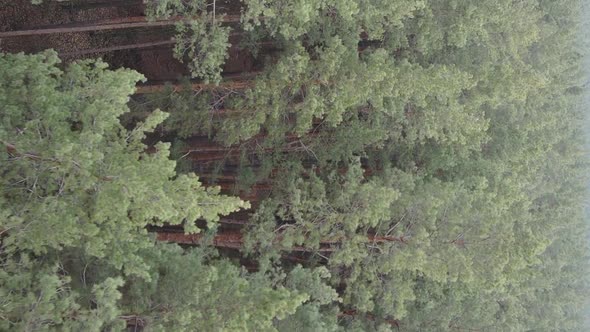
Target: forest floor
(22, 15)
(156, 63)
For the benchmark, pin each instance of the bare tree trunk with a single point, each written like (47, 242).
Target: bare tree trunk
(235, 240)
(169, 42)
(238, 82)
(112, 24)
(118, 48)
(83, 5)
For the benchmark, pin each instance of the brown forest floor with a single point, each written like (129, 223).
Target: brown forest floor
(21, 15)
(156, 63)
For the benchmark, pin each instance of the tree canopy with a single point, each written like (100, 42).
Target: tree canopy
(78, 191)
(412, 165)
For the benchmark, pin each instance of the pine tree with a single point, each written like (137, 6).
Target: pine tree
(78, 190)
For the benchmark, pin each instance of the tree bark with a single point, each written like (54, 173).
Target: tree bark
(234, 240)
(83, 5)
(111, 24)
(230, 85)
(118, 48)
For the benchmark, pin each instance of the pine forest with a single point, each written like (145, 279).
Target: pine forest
(294, 165)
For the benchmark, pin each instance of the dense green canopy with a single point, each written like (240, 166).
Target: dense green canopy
(425, 157)
(466, 115)
(78, 191)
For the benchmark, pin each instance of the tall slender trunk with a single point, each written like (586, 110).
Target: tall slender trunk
(235, 240)
(229, 85)
(118, 48)
(111, 24)
(152, 44)
(84, 5)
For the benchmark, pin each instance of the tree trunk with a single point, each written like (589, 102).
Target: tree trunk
(118, 48)
(83, 5)
(152, 44)
(231, 85)
(112, 24)
(234, 240)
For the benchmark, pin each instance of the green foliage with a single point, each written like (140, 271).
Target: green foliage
(190, 113)
(315, 211)
(201, 41)
(310, 317)
(168, 8)
(187, 293)
(78, 187)
(425, 158)
(205, 43)
(74, 167)
(294, 19)
(37, 296)
(467, 115)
